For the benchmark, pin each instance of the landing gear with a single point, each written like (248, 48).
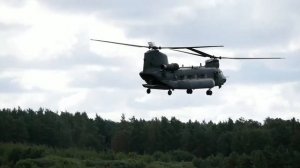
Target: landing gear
(189, 91)
(169, 92)
(148, 91)
(209, 92)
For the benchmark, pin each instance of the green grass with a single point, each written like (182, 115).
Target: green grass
(35, 156)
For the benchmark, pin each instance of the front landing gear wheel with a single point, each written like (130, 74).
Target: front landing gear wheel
(148, 91)
(209, 92)
(189, 91)
(169, 92)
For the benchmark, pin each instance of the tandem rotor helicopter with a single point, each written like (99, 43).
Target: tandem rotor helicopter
(159, 74)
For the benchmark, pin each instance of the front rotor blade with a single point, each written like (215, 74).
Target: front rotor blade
(132, 45)
(250, 58)
(201, 53)
(220, 57)
(198, 53)
(187, 52)
(190, 47)
(211, 56)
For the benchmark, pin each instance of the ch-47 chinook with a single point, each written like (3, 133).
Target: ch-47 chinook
(159, 74)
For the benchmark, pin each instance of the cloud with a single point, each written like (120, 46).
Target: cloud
(41, 38)
(47, 59)
(8, 85)
(236, 101)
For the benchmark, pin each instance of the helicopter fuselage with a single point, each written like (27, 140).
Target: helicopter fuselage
(159, 74)
(184, 78)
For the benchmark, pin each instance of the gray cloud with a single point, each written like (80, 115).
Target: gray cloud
(267, 71)
(80, 55)
(14, 3)
(237, 24)
(257, 73)
(8, 85)
(124, 9)
(233, 25)
(107, 79)
(242, 26)
(179, 99)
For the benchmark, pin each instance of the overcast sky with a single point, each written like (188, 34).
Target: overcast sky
(47, 59)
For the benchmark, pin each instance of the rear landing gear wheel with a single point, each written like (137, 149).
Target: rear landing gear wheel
(169, 92)
(209, 92)
(189, 91)
(148, 91)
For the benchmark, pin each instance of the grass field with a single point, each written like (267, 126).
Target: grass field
(33, 156)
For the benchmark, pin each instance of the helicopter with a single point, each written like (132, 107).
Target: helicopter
(158, 73)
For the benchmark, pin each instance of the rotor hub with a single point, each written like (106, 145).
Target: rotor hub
(153, 46)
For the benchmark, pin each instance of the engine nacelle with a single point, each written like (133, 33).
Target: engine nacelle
(170, 67)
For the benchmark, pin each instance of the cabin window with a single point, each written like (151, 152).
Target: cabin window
(200, 75)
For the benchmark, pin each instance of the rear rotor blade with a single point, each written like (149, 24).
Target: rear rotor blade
(197, 52)
(132, 45)
(151, 46)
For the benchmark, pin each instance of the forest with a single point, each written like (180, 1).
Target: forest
(44, 138)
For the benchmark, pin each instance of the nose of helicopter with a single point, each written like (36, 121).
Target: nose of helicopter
(223, 78)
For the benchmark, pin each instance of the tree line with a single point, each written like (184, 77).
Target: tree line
(201, 139)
